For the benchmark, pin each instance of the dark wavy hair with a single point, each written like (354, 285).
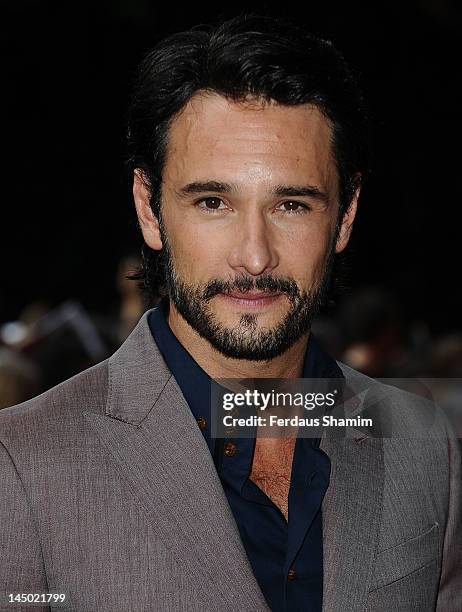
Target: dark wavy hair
(248, 56)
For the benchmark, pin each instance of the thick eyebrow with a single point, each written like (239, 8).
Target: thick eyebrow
(307, 191)
(287, 191)
(201, 187)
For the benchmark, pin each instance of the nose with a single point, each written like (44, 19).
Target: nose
(253, 248)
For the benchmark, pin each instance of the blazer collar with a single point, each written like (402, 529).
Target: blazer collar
(137, 376)
(352, 507)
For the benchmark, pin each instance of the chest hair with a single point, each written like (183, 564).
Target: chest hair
(271, 469)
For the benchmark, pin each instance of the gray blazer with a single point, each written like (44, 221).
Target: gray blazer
(109, 495)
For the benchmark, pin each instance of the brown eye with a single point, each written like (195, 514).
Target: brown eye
(211, 204)
(293, 207)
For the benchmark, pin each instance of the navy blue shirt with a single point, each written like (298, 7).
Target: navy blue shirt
(286, 556)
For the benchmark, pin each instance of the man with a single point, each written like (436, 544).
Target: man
(247, 151)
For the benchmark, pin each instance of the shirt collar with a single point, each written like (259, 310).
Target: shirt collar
(194, 382)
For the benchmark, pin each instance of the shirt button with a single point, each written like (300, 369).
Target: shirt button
(230, 449)
(291, 574)
(202, 423)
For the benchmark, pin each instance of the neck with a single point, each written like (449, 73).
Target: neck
(217, 365)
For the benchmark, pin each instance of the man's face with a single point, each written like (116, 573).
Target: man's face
(248, 221)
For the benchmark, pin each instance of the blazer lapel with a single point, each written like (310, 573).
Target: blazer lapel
(352, 511)
(156, 445)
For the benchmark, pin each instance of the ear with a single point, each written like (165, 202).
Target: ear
(149, 223)
(348, 218)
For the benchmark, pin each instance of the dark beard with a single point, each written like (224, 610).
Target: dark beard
(244, 341)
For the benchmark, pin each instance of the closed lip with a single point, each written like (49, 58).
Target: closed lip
(253, 295)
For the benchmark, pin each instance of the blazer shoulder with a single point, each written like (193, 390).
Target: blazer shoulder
(406, 405)
(87, 391)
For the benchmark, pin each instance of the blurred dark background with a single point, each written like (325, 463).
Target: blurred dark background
(68, 227)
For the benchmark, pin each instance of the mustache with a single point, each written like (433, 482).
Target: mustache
(244, 284)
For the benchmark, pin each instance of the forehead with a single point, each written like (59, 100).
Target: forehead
(249, 140)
